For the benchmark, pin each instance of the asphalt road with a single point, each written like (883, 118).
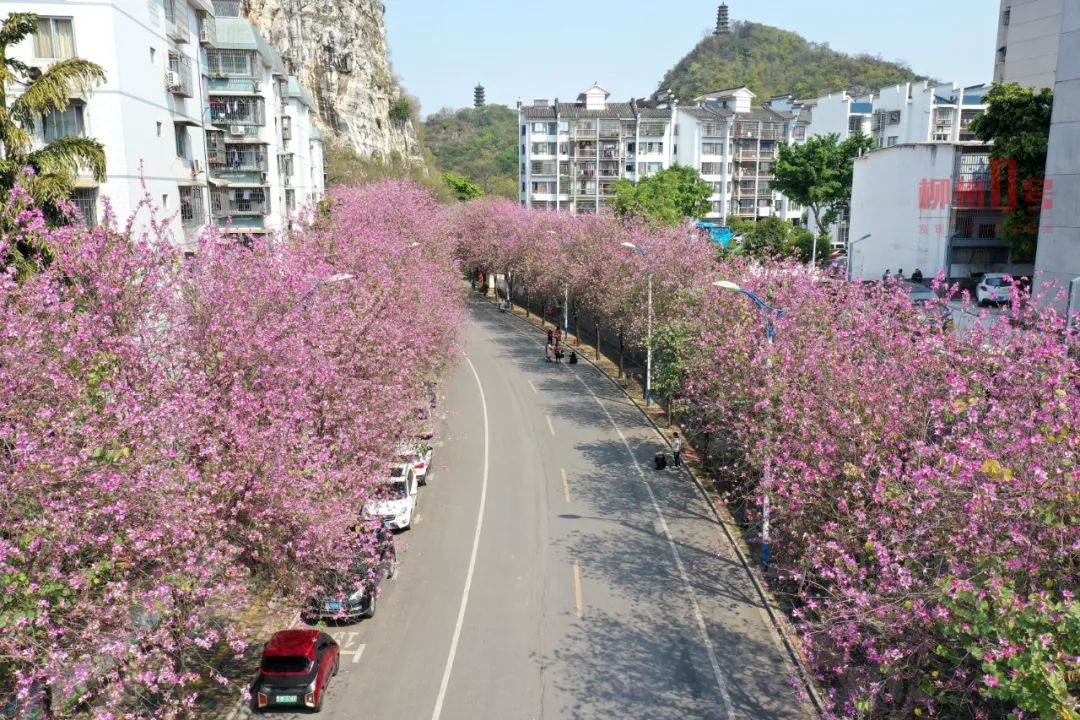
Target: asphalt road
(552, 572)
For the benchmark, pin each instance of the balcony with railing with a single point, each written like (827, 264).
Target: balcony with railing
(242, 157)
(230, 202)
(610, 128)
(609, 169)
(178, 78)
(652, 129)
(176, 20)
(234, 110)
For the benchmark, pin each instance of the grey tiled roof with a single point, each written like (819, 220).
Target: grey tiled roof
(538, 113)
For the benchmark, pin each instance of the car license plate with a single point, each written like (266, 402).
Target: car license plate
(287, 698)
(333, 606)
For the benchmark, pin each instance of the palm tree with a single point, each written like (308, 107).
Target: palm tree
(56, 164)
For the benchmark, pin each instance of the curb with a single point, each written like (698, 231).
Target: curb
(775, 616)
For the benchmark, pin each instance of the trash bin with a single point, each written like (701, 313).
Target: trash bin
(661, 460)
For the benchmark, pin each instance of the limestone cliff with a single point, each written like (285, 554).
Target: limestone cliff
(338, 50)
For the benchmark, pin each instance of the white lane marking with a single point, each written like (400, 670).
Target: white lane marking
(577, 590)
(550, 426)
(721, 682)
(535, 391)
(356, 653)
(437, 712)
(565, 486)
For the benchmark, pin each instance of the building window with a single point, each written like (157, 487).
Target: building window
(192, 206)
(181, 140)
(165, 201)
(54, 39)
(63, 123)
(523, 186)
(159, 129)
(892, 140)
(290, 200)
(524, 129)
(153, 56)
(86, 200)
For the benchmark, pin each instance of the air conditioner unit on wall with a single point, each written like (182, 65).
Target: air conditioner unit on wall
(256, 86)
(196, 167)
(238, 129)
(172, 79)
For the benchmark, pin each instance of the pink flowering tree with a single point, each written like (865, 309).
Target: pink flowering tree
(180, 435)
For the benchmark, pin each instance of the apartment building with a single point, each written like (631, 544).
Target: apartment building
(571, 154)
(165, 113)
(146, 110)
(1027, 41)
(901, 114)
(733, 144)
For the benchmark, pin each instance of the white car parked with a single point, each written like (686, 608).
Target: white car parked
(397, 498)
(418, 454)
(994, 288)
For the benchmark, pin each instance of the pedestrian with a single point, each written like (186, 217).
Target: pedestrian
(573, 357)
(917, 276)
(900, 274)
(558, 334)
(551, 336)
(549, 351)
(558, 352)
(887, 275)
(676, 446)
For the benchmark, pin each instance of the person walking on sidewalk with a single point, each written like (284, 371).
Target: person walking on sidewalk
(676, 446)
(549, 351)
(551, 336)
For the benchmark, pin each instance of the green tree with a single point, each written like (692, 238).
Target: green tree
(462, 188)
(817, 174)
(479, 144)
(56, 165)
(773, 237)
(669, 197)
(1017, 122)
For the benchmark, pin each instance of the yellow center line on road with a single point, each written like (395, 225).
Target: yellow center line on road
(550, 426)
(580, 606)
(565, 486)
(535, 391)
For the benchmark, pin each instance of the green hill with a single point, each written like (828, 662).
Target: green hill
(480, 144)
(771, 62)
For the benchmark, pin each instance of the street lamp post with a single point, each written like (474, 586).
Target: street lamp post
(770, 314)
(648, 338)
(850, 253)
(332, 280)
(566, 300)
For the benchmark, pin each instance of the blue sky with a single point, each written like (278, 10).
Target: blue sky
(554, 48)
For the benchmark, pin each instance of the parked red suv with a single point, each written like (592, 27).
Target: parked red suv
(296, 668)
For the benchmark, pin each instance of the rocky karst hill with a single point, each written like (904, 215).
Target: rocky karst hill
(338, 50)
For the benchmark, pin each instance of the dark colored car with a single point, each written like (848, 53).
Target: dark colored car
(354, 594)
(295, 669)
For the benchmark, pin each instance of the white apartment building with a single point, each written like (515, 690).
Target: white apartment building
(1058, 256)
(902, 114)
(165, 141)
(148, 111)
(1027, 41)
(571, 154)
(733, 144)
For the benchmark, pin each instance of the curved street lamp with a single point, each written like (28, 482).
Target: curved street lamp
(770, 315)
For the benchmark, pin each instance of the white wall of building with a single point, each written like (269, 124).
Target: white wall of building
(1058, 257)
(885, 204)
(1028, 33)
